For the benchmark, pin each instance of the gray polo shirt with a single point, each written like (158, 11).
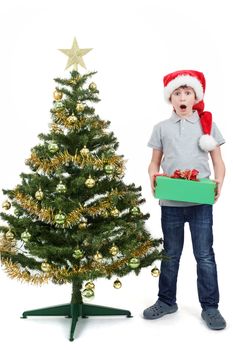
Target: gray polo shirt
(178, 139)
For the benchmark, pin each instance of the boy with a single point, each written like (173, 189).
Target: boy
(183, 142)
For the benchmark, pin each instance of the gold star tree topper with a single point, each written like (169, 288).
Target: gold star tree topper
(75, 55)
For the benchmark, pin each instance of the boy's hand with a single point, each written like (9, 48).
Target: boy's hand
(153, 182)
(217, 189)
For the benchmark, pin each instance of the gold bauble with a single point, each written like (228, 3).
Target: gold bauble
(58, 105)
(84, 151)
(88, 293)
(155, 272)
(60, 218)
(90, 182)
(6, 205)
(53, 147)
(93, 87)
(117, 284)
(71, 120)
(80, 107)
(98, 257)
(90, 285)
(135, 211)
(57, 95)
(25, 236)
(39, 195)
(46, 267)
(114, 250)
(134, 263)
(9, 235)
(61, 188)
(109, 169)
(115, 212)
(78, 253)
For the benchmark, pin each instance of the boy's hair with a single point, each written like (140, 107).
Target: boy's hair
(185, 87)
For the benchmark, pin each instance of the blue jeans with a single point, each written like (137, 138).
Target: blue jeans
(200, 221)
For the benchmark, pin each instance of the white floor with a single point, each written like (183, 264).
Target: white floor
(182, 329)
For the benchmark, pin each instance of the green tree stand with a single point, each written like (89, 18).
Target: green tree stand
(76, 309)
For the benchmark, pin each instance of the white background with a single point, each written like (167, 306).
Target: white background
(135, 43)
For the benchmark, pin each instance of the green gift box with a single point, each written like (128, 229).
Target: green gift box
(202, 191)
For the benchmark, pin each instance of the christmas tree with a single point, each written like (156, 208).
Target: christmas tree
(73, 219)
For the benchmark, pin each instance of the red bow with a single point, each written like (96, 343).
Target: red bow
(182, 174)
(185, 174)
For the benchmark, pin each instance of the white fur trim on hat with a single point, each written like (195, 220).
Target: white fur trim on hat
(207, 143)
(184, 80)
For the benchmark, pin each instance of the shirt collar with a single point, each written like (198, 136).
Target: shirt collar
(192, 119)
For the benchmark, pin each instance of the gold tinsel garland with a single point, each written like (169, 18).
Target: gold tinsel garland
(7, 246)
(14, 271)
(27, 203)
(50, 165)
(65, 275)
(61, 118)
(47, 214)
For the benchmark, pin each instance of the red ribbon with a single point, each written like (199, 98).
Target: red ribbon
(182, 174)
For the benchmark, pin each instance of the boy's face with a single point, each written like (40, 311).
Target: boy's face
(183, 99)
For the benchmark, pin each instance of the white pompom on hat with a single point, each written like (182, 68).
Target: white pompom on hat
(195, 80)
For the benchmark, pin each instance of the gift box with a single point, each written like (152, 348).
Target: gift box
(201, 191)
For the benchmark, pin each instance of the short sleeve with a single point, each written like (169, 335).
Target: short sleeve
(155, 139)
(217, 135)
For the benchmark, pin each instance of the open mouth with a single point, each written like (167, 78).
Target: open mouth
(183, 107)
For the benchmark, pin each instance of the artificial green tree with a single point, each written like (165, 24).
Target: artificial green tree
(73, 219)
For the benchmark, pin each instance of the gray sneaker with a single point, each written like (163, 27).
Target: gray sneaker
(213, 319)
(159, 309)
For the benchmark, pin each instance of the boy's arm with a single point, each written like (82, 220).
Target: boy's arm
(219, 170)
(154, 166)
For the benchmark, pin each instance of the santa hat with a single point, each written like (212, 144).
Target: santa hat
(195, 80)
